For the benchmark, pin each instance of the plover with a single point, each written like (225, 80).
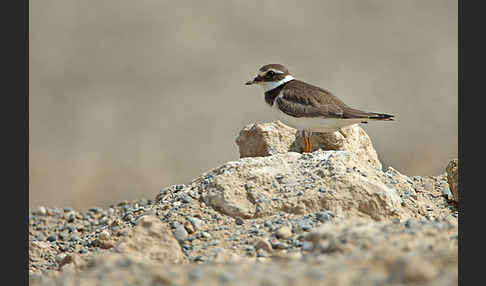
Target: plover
(306, 107)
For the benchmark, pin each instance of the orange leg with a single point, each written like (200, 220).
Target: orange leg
(307, 144)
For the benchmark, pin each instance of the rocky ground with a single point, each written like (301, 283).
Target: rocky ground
(273, 217)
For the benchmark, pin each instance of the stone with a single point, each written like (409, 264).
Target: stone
(180, 233)
(104, 235)
(452, 170)
(41, 210)
(263, 244)
(103, 244)
(239, 221)
(284, 232)
(263, 186)
(197, 223)
(265, 139)
(189, 227)
(152, 240)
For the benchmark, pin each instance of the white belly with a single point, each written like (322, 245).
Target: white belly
(314, 124)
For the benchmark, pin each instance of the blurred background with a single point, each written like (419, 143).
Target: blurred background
(128, 97)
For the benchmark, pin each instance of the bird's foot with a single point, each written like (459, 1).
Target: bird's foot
(307, 141)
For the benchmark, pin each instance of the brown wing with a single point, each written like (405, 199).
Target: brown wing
(318, 102)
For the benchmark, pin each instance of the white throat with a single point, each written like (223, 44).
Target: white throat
(271, 85)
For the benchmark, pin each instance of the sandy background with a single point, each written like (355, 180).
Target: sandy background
(127, 97)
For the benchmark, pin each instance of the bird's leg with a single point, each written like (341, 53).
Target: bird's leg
(307, 141)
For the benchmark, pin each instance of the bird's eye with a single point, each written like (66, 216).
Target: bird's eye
(270, 73)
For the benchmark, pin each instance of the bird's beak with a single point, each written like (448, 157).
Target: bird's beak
(250, 82)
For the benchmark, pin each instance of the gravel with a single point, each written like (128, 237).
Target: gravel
(284, 248)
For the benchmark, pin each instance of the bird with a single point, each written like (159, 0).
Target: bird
(307, 107)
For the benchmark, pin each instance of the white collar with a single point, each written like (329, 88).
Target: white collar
(267, 86)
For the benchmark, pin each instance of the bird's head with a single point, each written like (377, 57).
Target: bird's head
(271, 76)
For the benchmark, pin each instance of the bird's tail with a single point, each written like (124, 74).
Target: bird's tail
(355, 113)
(381, 116)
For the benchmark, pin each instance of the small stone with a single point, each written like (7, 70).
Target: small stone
(186, 199)
(196, 222)
(41, 210)
(284, 232)
(205, 235)
(261, 253)
(104, 220)
(180, 233)
(263, 244)
(95, 210)
(51, 238)
(60, 257)
(324, 216)
(189, 227)
(280, 245)
(105, 244)
(446, 192)
(239, 221)
(104, 235)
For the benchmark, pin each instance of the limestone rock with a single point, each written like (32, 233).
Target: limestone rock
(299, 183)
(264, 139)
(452, 170)
(152, 239)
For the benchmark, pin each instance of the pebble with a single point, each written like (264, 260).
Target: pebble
(205, 235)
(60, 257)
(96, 210)
(104, 235)
(51, 238)
(263, 244)
(186, 199)
(239, 221)
(324, 216)
(196, 222)
(189, 227)
(446, 192)
(284, 232)
(41, 210)
(280, 245)
(180, 233)
(261, 253)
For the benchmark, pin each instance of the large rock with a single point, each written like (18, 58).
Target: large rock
(337, 181)
(452, 170)
(265, 139)
(152, 240)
